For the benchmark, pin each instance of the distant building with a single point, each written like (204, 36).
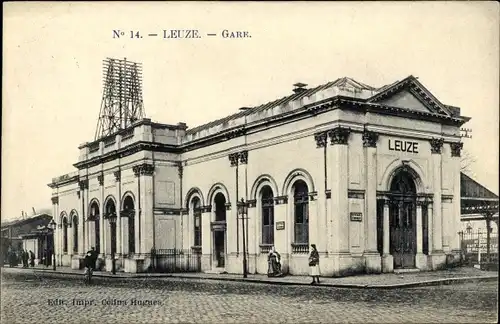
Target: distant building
(369, 175)
(14, 232)
(479, 207)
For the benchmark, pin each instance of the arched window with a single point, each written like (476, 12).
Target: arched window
(75, 233)
(301, 212)
(65, 235)
(196, 205)
(220, 207)
(129, 211)
(95, 216)
(267, 205)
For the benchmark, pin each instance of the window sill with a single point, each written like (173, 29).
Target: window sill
(300, 248)
(265, 248)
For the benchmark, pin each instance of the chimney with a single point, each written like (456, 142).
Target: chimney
(299, 87)
(34, 212)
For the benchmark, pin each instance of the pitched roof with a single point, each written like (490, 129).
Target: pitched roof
(344, 82)
(17, 222)
(361, 91)
(470, 188)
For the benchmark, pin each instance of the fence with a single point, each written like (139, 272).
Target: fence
(176, 260)
(474, 246)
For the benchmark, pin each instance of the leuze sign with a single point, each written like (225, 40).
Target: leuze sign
(403, 146)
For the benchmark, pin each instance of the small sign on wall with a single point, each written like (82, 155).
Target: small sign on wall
(356, 217)
(280, 225)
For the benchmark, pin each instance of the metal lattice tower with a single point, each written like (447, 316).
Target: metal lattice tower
(121, 103)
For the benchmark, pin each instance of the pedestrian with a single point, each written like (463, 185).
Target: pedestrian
(26, 257)
(93, 257)
(274, 263)
(32, 259)
(314, 264)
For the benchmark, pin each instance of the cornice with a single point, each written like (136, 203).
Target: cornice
(306, 111)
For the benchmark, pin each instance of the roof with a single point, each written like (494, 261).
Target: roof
(476, 199)
(22, 221)
(345, 82)
(346, 87)
(470, 188)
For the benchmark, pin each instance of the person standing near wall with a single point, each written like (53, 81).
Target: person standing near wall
(314, 264)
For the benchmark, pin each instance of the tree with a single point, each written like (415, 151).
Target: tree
(466, 162)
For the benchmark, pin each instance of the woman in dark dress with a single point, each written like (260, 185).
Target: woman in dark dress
(314, 264)
(274, 263)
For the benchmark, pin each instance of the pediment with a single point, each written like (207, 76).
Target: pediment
(410, 94)
(405, 99)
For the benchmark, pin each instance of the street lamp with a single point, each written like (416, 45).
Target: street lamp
(242, 211)
(112, 222)
(52, 226)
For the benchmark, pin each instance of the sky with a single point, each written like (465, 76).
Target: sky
(53, 53)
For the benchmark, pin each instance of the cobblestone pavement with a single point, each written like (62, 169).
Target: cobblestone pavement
(173, 300)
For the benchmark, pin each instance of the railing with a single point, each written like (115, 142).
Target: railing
(176, 260)
(474, 246)
(65, 176)
(300, 248)
(127, 134)
(265, 248)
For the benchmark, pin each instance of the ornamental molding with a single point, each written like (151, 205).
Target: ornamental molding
(339, 135)
(436, 145)
(252, 203)
(370, 139)
(233, 159)
(279, 200)
(228, 206)
(100, 178)
(180, 169)
(321, 139)
(206, 209)
(83, 184)
(312, 195)
(143, 169)
(118, 175)
(356, 194)
(328, 194)
(456, 148)
(238, 158)
(244, 157)
(55, 200)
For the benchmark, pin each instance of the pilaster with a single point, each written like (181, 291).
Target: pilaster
(370, 145)
(338, 163)
(436, 146)
(282, 238)
(320, 200)
(420, 258)
(119, 231)
(102, 227)
(372, 257)
(206, 238)
(145, 173)
(455, 158)
(387, 258)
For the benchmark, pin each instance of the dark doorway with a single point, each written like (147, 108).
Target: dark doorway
(402, 220)
(219, 248)
(219, 232)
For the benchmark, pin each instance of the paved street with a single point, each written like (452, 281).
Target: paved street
(26, 299)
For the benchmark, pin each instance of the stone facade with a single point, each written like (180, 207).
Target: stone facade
(371, 176)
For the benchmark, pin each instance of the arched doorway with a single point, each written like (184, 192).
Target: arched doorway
(219, 230)
(402, 220)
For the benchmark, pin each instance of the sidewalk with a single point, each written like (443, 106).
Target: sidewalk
(381, 281)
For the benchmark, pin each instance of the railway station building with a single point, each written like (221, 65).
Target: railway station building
(370, 175)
